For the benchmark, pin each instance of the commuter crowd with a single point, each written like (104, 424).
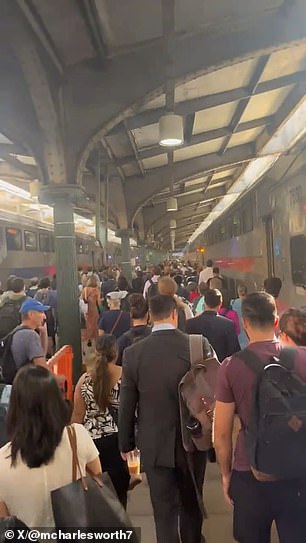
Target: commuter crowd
(178, 363)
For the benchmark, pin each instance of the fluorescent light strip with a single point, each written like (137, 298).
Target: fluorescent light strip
(286, 136)
(16, 191)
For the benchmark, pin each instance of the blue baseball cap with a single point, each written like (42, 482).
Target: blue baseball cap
(33, 305)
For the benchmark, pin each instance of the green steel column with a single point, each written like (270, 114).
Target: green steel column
(63, 198)
(142, 254)
(67, 281)
(126, 253)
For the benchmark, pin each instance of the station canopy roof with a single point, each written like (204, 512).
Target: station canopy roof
(239, 116)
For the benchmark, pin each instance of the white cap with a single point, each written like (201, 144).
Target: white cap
(117, 295)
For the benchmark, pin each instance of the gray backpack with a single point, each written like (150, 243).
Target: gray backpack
(197, 395)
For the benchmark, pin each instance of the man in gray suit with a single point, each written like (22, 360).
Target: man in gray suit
(152, 371)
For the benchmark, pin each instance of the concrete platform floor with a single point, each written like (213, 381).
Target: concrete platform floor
(218, 525)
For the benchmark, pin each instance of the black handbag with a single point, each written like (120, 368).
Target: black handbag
(7, 524)
(87, 502)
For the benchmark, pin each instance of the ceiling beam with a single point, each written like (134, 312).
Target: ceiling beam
(186, 224)
(243, 104)
(91, 15)
(213, 100)
(13, 149)
(203, 137)
(133, 144)
(188, 127)
(38, 28)
(287, 108)
(158, 179)
(29, 170)
(158, 214)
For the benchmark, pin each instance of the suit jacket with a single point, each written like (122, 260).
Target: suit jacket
(152, 371)
(219, 331)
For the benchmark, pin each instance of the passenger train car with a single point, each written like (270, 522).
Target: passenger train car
(263, 235)
(27, 248)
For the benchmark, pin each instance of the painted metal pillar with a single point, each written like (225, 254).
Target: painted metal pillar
(62, 199)
(125, 253)
(142, 254)
(106, 212)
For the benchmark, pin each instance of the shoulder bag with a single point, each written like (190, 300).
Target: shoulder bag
(116, 323)
(88, 502)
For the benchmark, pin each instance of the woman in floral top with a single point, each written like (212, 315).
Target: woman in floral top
(96, 402)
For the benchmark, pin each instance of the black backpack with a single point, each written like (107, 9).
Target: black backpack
(8, 368)
(10, 316)
(275, 437)
(152, 290)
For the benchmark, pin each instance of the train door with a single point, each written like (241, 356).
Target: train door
(270, 245)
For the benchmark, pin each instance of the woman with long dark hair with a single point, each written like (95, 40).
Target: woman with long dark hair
(96, 402)
(38, 457)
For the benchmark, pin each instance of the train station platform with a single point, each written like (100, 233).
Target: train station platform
(218, 525)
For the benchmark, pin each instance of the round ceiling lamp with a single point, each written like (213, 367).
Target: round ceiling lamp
(172, 224)
(171, 130)
(34, 187)
(172, 204)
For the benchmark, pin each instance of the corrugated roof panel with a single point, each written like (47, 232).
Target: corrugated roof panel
(285, 62)
(224, 173)
(155, 162)
(265, 104)
(245, 137)
(216, 117)
(146, 135)
(231, 77)
(193, 151)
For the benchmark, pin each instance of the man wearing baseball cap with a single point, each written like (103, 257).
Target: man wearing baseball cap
(26, 343)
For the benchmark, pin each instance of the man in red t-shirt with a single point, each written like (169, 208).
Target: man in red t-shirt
(256, 504)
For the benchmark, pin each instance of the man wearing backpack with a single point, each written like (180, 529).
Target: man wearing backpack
(267, 479)
(152, 371)
(150, 288)
(10, 306)
(24, 344)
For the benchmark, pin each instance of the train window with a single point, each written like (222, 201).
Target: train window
(236, 229)
(222, 232)
(86, 248)
(298, 259)
(30, 240)
(80, 247)
(44, 243)
(13, 239)
(247, 219)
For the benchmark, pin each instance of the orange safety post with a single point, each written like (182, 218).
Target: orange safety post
(62, 365)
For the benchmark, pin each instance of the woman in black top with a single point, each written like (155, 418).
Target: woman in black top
(139, 317)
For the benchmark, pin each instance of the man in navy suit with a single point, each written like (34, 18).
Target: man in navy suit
(219, 330)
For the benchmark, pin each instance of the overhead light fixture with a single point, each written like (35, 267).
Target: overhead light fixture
(172, 204)
(171, 130)
(34, 189)
(172, 224)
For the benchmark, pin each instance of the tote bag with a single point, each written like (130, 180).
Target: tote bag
(87, 502)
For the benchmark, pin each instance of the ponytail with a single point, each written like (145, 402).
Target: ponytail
(102, 383)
